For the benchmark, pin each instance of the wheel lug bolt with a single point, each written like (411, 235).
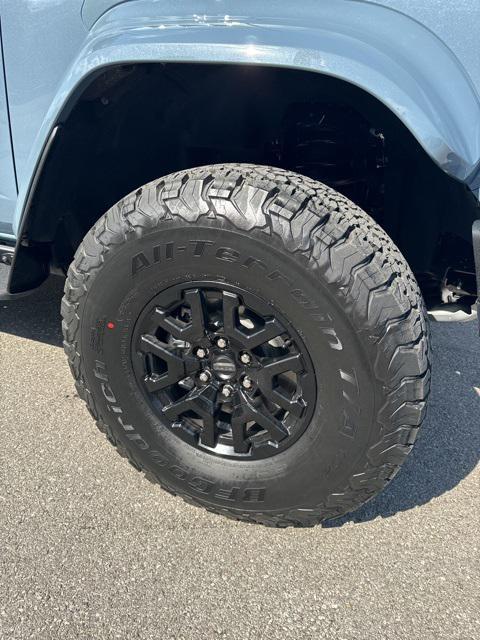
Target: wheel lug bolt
(247, 383)
(201, 352)
(227, 391)
(246, 358)
(204, 376)
(221, 343)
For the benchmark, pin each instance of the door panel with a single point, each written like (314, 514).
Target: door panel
(8, 186)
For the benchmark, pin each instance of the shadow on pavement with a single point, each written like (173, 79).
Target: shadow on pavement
(37, 316)
(448, 447)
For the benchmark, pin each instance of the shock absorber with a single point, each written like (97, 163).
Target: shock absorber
(336, 145)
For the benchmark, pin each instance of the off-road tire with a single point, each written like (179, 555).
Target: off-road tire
(336, 276)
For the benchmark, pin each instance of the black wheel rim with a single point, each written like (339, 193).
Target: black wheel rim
(223, 370)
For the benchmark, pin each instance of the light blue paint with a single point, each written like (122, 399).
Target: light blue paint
(419, 57)
(8, 187)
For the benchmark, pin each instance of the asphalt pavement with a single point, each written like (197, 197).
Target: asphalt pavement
(89, 549)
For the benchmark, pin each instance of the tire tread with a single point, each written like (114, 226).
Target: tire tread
(348, 248)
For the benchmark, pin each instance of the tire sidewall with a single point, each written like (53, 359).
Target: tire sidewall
(343, 426)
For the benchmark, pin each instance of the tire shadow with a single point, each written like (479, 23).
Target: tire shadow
(37, 316)
(448, 446)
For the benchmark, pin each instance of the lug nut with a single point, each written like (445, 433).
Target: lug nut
(201, 352)
(204, 376)
(246, 358)
(221, 343)
(247, 383)
(227, 391)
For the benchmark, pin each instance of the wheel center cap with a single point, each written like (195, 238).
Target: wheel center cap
(224, 367)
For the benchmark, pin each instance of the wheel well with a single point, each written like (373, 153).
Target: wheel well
(134, 123)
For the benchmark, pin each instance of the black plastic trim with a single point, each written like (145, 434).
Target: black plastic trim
(25, 257)
(476, 253)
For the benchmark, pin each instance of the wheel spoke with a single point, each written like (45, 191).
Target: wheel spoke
(295, 407)
(176, 369)
(246, 411)
(195, 299)
(192, 331)
(240, 443)
(265, 380)
(269, 330)
(231, 303)
(283, 364)
(202, 403)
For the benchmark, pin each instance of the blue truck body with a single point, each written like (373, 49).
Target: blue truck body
(419, 58)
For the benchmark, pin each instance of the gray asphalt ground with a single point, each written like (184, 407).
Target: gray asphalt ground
(89, 549)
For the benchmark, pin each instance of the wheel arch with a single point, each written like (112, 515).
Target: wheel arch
(357, 47)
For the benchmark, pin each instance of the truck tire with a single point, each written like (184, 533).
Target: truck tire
(252, 341)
